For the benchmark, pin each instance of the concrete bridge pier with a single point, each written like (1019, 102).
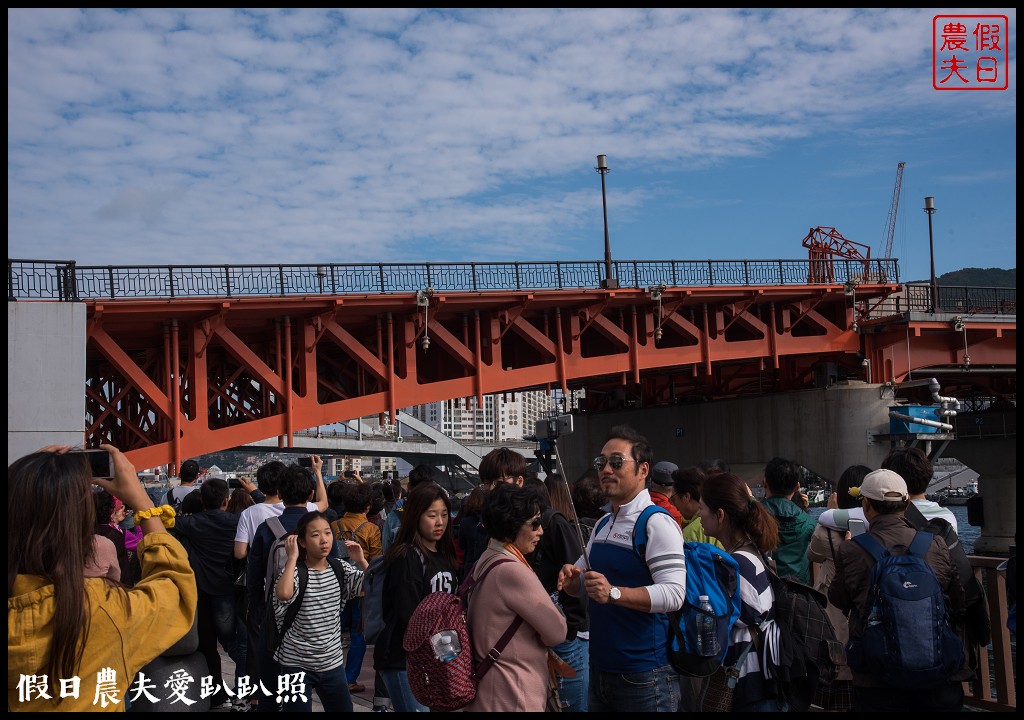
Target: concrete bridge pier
(999, 503)
(994, 458)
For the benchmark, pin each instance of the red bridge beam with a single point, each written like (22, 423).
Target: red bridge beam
(168, 380)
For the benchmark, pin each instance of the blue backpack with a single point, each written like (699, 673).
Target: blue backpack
(908, 641)
(710, 571)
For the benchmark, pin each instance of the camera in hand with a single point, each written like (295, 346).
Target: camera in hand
(306, 462)
(101, 464)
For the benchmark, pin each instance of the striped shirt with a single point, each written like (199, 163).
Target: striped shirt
(756, 600)
(313, 641)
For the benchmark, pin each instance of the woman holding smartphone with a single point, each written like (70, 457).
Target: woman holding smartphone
(62, 625)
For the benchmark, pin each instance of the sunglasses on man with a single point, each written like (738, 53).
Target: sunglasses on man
(616, 461)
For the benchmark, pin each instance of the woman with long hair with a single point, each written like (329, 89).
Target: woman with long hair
(589, 501)
(730, 513)
(62, 625)
(240, 500)
(518, 680)
(465, 526)
(420, 561)
(558, 496)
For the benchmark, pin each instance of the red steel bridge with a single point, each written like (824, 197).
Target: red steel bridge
(186, 360)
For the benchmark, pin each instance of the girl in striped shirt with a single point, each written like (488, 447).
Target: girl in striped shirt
(731, 514)
(310, 653)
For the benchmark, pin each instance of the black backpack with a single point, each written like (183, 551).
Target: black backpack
(976, 623)
(272, 634)
(809, 655)
(344, 535)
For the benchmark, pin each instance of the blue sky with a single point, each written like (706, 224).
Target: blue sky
(170, 136)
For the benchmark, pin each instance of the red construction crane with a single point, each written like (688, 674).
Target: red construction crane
(890, 225)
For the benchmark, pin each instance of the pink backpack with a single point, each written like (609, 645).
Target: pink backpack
(439, 652)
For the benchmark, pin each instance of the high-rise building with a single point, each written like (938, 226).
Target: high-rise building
(501, 417)
(378, 465)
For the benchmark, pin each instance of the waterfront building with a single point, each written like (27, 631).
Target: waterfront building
(501, 417)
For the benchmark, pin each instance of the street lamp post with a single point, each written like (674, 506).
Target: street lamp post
(929, 207)
(609, 282)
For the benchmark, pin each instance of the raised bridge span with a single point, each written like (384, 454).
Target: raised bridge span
(185, 360)
(170, 362)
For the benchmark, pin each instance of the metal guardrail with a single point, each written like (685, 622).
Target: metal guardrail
(70, 282)
(961, 300)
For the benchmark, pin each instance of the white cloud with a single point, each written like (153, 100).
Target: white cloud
(219, 134)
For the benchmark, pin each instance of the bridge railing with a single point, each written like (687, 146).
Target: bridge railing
(68, 281)
(917, 297)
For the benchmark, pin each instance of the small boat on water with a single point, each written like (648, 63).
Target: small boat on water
(957, 495)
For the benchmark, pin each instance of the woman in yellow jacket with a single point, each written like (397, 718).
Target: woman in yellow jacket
(62, 625)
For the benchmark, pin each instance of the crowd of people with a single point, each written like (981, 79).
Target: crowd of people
(89, 598)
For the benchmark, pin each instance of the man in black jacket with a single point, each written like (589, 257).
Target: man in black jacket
(209, 537)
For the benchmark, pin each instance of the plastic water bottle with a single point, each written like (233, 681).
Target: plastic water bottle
(446, 645)
(707, 638)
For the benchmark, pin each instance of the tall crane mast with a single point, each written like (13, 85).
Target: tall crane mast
(890, 224)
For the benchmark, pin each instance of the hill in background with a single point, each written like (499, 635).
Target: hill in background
(977, 277)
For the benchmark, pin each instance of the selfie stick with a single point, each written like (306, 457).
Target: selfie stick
(568, 491)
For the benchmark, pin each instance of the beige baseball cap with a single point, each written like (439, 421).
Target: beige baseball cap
(884, 485)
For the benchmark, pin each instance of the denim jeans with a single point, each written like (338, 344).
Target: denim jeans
(217, 621)
(402, 699)
(651, 691)
(331, 687)
(573, 691)
(230, 630)
(351, 619)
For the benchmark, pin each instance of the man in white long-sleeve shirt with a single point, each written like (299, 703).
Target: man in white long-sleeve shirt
(630, 596)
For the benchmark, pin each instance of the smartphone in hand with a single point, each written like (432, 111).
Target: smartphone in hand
(101, 464)
(857, 527)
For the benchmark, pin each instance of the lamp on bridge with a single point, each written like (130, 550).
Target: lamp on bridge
(609, 282)
(929, 207)
(321, 273)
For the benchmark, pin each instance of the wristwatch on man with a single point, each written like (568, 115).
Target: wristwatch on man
(614, 594)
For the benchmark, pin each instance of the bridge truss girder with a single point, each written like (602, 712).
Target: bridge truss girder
(979, 360)
(171, 380)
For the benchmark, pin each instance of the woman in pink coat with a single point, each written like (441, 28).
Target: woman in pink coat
(518, 681)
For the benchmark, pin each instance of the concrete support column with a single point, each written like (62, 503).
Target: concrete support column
(999, 500)
(45, 376)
